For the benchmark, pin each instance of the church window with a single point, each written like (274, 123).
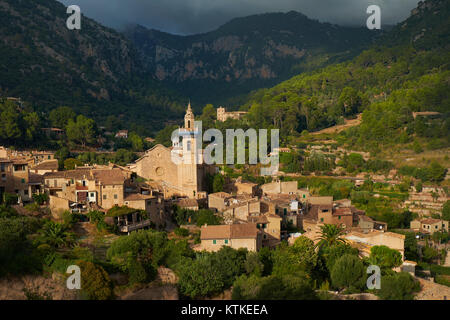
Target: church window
(188, 146)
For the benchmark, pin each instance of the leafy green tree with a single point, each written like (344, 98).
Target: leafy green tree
(230, 263)
(332, 253)
(136, 142)
(208, 116)
(429, 254)
(199, 277)
(301, 256)
(112, 123)
(18, 255)
(350, 101)
(287, 287)
(205, 216)
(32, 125)
(146, 248)
(253, 264)
(82, 131)
(123, 157)
(218, 183)
(71, 163)
(10, 125)
(164, 136)
(348, 273)
(411, 248)
(446, 211)
(385, 257)
(399, 286)
(59, 117)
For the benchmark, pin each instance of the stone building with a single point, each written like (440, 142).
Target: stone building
(184, 177)
(430, 225)
(223, 115)
(285, 187)
(236, 236)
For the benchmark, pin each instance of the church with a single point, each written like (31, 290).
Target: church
(178, 178)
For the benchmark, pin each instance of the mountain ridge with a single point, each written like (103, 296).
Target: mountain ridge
(245, 53)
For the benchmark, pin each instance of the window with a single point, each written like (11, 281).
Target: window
(19, 167)
(188, 146)
(285, 211)
(3, 176)
(23, 180)
(104, 197)
(214, 241)
(339, 217)
(92, 194)
(48, 157)
(304, 196)
(321, 219)
(226, 241)
(115, 196)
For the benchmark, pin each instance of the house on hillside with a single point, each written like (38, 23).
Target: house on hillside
(236, 236)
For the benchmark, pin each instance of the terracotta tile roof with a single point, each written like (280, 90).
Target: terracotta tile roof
(46, 165)
(243, 231)
(137, 197)
(109, 176)
(186, 202)
(54, 175)
(258, 219)
(342, 212)
(234, 231)
(430, 221)
(35, 178)
(320, 200)
(220, 195)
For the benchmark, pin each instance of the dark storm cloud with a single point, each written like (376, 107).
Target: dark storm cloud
(195, 16)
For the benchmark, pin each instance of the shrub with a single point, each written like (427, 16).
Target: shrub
(400, 286)
(95, 282)
(348, 273)
(181, 232)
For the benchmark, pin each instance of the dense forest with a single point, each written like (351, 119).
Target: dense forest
(401, 74)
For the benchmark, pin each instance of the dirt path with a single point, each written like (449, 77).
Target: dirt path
(340, 127)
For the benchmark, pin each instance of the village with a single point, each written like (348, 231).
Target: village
(147, 193)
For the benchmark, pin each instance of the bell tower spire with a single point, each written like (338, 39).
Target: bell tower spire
(189, 118)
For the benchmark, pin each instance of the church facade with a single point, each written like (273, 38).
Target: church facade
(178, 178)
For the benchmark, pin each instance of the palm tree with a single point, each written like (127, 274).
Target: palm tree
(55, 235)
(331, 235)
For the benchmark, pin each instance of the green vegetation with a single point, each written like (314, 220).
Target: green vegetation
(199, 218)
(399, 286)
(348, 273)
(95, 282)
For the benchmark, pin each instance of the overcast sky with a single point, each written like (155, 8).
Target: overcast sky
(196, 16)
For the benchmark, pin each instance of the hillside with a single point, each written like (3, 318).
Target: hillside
(245, 54)
(395, 77)
(95, 70)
